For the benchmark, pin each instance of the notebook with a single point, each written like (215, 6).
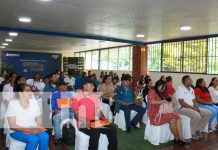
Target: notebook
(64, 103)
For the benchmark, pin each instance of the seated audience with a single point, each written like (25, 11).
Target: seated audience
(213, 89)
(61, 78)
(169, 91)
(8, 89)
(155, 100)
(138, 89)
(148, 87)
(101, 76)
(46, 80)
(37, 84)
(204, 101)
(126, 100)
(89, 74)
(59, 113)
(96, 82)
(108, 88)
(87, 110)
(70, 80)
(189, 107)
(116, 81)
(47, 91)
(25, 120)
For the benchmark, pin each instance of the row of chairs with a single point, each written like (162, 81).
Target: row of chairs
(154, 134)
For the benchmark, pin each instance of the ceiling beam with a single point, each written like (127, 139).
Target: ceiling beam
(69, 35)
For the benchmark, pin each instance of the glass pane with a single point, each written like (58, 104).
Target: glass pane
(130, 64)
(212, 66)
(95, 59)
(113, 59)
(124, 58)
(76, 54)
(104, 59)
(83, 54)
(88, 60)
(195, 53)
(172, 57)
(154, 57)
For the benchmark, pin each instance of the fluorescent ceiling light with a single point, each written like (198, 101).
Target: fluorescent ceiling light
(140, 35)
(185, 28)
(13, 34)
(5, 44)
(25, 19)
(2, 46)
(8, 40)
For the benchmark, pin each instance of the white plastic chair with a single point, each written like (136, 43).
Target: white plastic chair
(213, 125)
(157, 134)
(186, 128)
(107, 111)
(82, 140)
(120, 119)
(17, 145)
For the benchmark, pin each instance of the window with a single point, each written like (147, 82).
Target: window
(113, 59)
(103, 59)
(195, 52)
(172, 57)
(88, 60)
(108, 59)
(83, 54)
(95, 59)
(154, 57)
(124, 58)
(77, 54)
(212, 66)
(130, 63)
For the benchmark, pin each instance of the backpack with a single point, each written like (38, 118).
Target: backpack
(68, 134)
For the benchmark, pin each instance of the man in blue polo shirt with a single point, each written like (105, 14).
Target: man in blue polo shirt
(60, 114)
(126, 100)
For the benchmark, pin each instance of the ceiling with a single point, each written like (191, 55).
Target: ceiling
(123, 19)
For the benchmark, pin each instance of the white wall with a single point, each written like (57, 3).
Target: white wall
(177, 77)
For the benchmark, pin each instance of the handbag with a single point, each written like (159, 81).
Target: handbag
(165, 108)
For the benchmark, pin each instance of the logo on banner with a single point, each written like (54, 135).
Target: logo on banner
(12, 55)
(55, 56)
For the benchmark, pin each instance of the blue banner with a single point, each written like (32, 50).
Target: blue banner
(28, 63)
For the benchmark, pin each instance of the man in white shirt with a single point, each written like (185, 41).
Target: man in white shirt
(70, 80)
(189, 107)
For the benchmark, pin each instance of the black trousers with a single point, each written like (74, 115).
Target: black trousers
(94, 134)
(112, 107)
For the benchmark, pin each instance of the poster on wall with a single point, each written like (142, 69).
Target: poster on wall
(29, 63)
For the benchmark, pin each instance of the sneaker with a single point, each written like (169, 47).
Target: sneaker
(183, 143)
(176, 141)
(210, 130)
(58, 144)
(195, 136)
(216, 127)
(199, 134)
(134, 126)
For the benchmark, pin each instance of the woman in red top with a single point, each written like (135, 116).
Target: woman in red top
(155, 99)
(204, 101)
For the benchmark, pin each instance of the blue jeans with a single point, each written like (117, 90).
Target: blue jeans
(57, 119)
(213, 109)
(32, 140)
(127, 113)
